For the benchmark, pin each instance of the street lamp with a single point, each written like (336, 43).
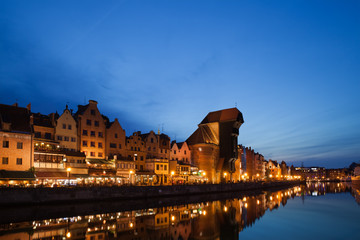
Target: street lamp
(172, 177)
(131, 172)
(68, 170)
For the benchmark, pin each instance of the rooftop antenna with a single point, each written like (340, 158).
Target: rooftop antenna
(162, 127)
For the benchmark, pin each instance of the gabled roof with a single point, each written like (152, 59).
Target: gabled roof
(231, 114)
(81, 110)
(17, 117)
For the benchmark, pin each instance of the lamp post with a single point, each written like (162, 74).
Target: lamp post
(68, 170)
(172, 176)
(225, 174)
(131, 172)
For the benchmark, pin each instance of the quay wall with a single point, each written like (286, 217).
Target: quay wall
(44, 195)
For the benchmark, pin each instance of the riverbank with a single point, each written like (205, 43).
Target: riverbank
(39, 196)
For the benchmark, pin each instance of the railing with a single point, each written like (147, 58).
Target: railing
(77, 165)
(48, 165)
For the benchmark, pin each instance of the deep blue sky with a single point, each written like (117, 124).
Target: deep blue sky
(292, 67)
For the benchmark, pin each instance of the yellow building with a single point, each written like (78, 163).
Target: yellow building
(16, 149)
(66, 131)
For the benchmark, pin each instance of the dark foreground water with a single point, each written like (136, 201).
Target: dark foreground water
(312, 211)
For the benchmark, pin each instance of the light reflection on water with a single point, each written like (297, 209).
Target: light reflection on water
(307, 211)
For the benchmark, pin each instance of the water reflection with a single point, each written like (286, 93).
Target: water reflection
(222, 219)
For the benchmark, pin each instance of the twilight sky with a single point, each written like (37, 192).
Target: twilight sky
(292, 68)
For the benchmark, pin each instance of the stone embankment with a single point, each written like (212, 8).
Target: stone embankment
(39, 196)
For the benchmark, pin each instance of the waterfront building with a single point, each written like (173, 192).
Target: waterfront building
(151, 142)
(115, 140)
(16, 149)
(274, 169)
(250, 162)
(136, 149)
(180, 151)
(49, 159)
(284, 169)
(125, 171)
(91, 130)
(164, 146)
(66, 131)
(214, 144)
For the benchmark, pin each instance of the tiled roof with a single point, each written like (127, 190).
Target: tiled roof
(42, 120)
(18, 117)
(231, 114)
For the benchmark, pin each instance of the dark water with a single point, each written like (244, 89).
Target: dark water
(312, 211)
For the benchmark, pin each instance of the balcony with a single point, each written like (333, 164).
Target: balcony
(49, 165)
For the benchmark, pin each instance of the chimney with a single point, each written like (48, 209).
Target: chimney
(29, 107)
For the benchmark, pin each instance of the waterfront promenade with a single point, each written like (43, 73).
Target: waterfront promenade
(42, 195)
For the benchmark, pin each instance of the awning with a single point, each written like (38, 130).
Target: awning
(16, 175)
(99, 161)
(145, 173)
(58, 175)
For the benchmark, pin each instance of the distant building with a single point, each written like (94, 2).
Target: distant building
(214, 144)
(115, 140)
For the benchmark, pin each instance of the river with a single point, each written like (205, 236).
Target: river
(311, 211)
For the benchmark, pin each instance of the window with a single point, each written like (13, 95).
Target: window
(112, 145)
(157, 167)
(141, 158)
(132, 148)
(154, 149)
(48, 135)
(5, 160)
(84, 133)
(100, 154)
(100, 134)
(66, 139)
(92, 144)
(84, 143)
(161, 150)
(96, 123)
(59, 138)
(38, 134)
(69, 127)
(116, 136)
(73, 139)
(92, 133)
(174, 151)
(184, 151)
(165, 167)
(19, 145)
(64, 126)
(99, 145)
(136, 158)
(149, 148)
(5, 144)
(88, 122)
(19, 161)
(119, 145)
(92, 154)
(151, 140)
(100, 237)
(92, 112)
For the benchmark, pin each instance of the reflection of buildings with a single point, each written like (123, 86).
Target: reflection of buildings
(214, 220)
